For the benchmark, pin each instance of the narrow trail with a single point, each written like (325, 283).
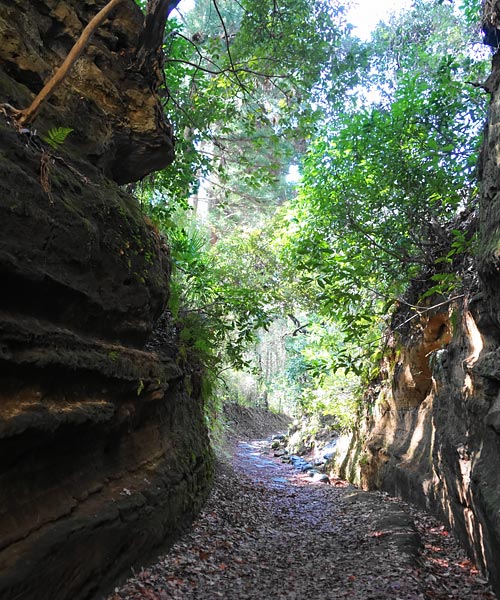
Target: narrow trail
(267, 532)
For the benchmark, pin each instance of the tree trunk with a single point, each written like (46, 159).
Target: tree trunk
(151, 42)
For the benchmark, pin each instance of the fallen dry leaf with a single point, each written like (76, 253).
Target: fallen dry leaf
(267, 533)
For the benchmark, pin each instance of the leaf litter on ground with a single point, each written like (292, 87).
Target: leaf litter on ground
(267, 532)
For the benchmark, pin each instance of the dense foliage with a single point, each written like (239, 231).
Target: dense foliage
(385, 136)
(384, 182)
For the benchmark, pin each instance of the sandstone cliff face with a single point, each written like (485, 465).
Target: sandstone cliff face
(434, 437)
(109, 101)
(103, 451)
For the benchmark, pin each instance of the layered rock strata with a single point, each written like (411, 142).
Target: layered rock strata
(104, 456)
(432, 434)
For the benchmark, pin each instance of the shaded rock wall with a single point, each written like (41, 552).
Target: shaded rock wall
(111, 103)
(104, 455)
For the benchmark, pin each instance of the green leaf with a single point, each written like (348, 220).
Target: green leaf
(57, 136)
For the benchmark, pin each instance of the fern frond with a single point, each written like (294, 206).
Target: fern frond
(57, 136)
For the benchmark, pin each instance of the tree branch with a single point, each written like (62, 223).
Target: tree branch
(28, 115)
(232, 69)
(226, 38)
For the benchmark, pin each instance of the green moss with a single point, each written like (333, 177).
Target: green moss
(365, 460)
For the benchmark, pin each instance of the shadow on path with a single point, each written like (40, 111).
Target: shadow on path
(268, 532)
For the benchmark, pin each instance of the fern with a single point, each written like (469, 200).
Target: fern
(57, 136)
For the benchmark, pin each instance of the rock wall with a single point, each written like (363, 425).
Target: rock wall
(110, 102)
(433, 429)
(423, 438)
(104, 456)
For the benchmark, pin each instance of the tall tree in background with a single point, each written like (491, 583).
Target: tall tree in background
(241, 85)
(385, 134)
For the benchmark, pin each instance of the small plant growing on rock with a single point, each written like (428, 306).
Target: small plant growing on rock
(57, 136)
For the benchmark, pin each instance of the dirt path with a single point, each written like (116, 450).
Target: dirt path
(267, 532)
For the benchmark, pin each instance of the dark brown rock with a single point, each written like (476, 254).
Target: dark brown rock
(104, 455)
(112, 105)
(79, 254)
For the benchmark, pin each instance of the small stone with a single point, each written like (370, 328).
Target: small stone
(320, 478)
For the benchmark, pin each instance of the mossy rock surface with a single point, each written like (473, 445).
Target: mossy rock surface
(104, 454)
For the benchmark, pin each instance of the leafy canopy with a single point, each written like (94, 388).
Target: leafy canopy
(385, 135)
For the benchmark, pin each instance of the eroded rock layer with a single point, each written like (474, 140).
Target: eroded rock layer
(428, 433)
(433, 432)
(434, 437)
(104, 455)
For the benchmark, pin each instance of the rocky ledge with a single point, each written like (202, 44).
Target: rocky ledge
(104, 455)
